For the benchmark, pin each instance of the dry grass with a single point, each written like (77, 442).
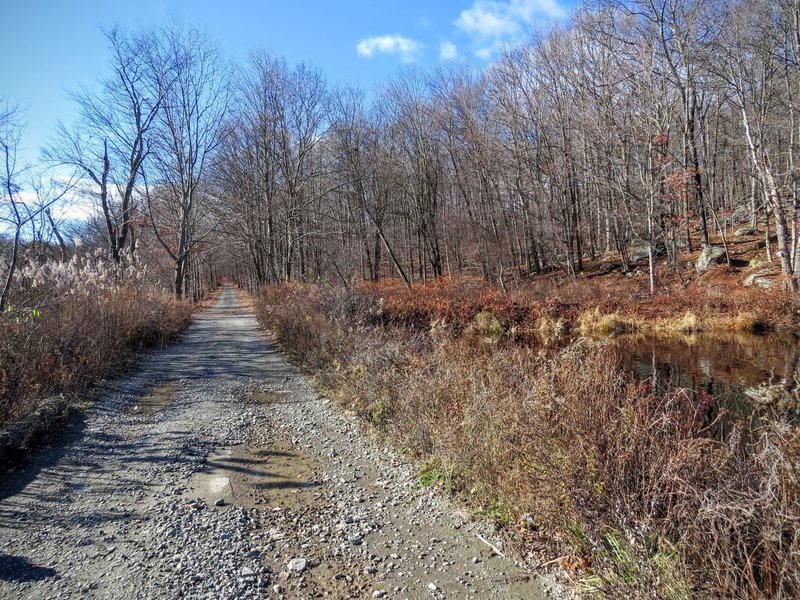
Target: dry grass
(626, 477)
(599, 306)
(246, 299)
(594, 323)
(66, 344)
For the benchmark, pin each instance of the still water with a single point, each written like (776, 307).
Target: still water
(743, 374)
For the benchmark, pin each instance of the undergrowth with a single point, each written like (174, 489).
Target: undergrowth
(625, 477)
(69, 324)
(598, 307)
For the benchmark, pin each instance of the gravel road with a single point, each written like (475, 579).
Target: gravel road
(216, 471)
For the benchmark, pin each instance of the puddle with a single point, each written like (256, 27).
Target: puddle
(250, 476)
(267, 396)
(157, 399)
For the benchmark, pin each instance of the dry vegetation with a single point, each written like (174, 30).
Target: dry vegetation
(70, 324)
(624, 480)
(603, 302)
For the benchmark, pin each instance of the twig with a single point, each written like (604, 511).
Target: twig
(491, 545)
(555, 560)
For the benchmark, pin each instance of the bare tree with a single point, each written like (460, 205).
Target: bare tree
(18, 213)
(365, 173)
(746, 62)
(193, 83)
(108, 143)
(14, 215)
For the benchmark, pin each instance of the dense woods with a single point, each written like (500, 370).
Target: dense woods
(651, 126)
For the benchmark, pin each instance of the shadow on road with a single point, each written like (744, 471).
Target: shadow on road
(20, 569)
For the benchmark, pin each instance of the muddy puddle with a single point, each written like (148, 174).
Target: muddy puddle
(157, 399)
(268, 396)
(278, 476)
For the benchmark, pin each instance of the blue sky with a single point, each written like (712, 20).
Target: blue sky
(49, 46)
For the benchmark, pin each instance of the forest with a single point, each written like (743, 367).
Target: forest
(432, 235)
(651, 125)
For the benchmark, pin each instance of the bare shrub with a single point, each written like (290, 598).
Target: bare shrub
(627, 476)
(69, 324)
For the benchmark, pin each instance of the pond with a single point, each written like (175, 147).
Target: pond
(744, 375)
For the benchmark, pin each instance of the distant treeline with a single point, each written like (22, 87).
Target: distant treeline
(653, 123)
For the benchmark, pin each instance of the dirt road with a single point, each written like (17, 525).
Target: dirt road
(126, 505)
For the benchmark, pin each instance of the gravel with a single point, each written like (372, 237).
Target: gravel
(239, 482)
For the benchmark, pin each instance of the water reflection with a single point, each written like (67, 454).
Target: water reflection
(747, 377)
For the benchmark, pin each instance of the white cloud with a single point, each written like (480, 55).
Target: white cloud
(487, 19)
(528, 9)
(406, 48)
(448, 51)
(497, 21)
(78, 209)
(485, 52)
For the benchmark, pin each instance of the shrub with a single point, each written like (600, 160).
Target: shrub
(70, 324)
(625, 475)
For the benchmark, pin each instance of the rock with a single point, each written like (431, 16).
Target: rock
(743, 231)
(710, 256)
(31, 431)
(643, 252)
(639, 253)
(741, 214)
(219, 502)
(760, 279)
(379, 594)
(297, 565)
(433, 588)
(247, 572)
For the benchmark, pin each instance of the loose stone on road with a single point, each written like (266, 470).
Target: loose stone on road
(216, 471)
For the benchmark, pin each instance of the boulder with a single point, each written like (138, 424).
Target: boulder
(643, 252)
(743, 231)
(710, 256)
(741, 214)
(760, 279)
(639, 253)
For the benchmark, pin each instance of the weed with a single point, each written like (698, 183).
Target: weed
(627, 475)
(74, 323)
(497, 512)
(577, 537)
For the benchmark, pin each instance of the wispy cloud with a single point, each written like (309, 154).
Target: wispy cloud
(487, 19)
(407, 49)
(493, 22)
(75, 210)
(448, 51)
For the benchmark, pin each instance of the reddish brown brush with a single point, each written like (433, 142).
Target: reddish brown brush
(625, 476)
